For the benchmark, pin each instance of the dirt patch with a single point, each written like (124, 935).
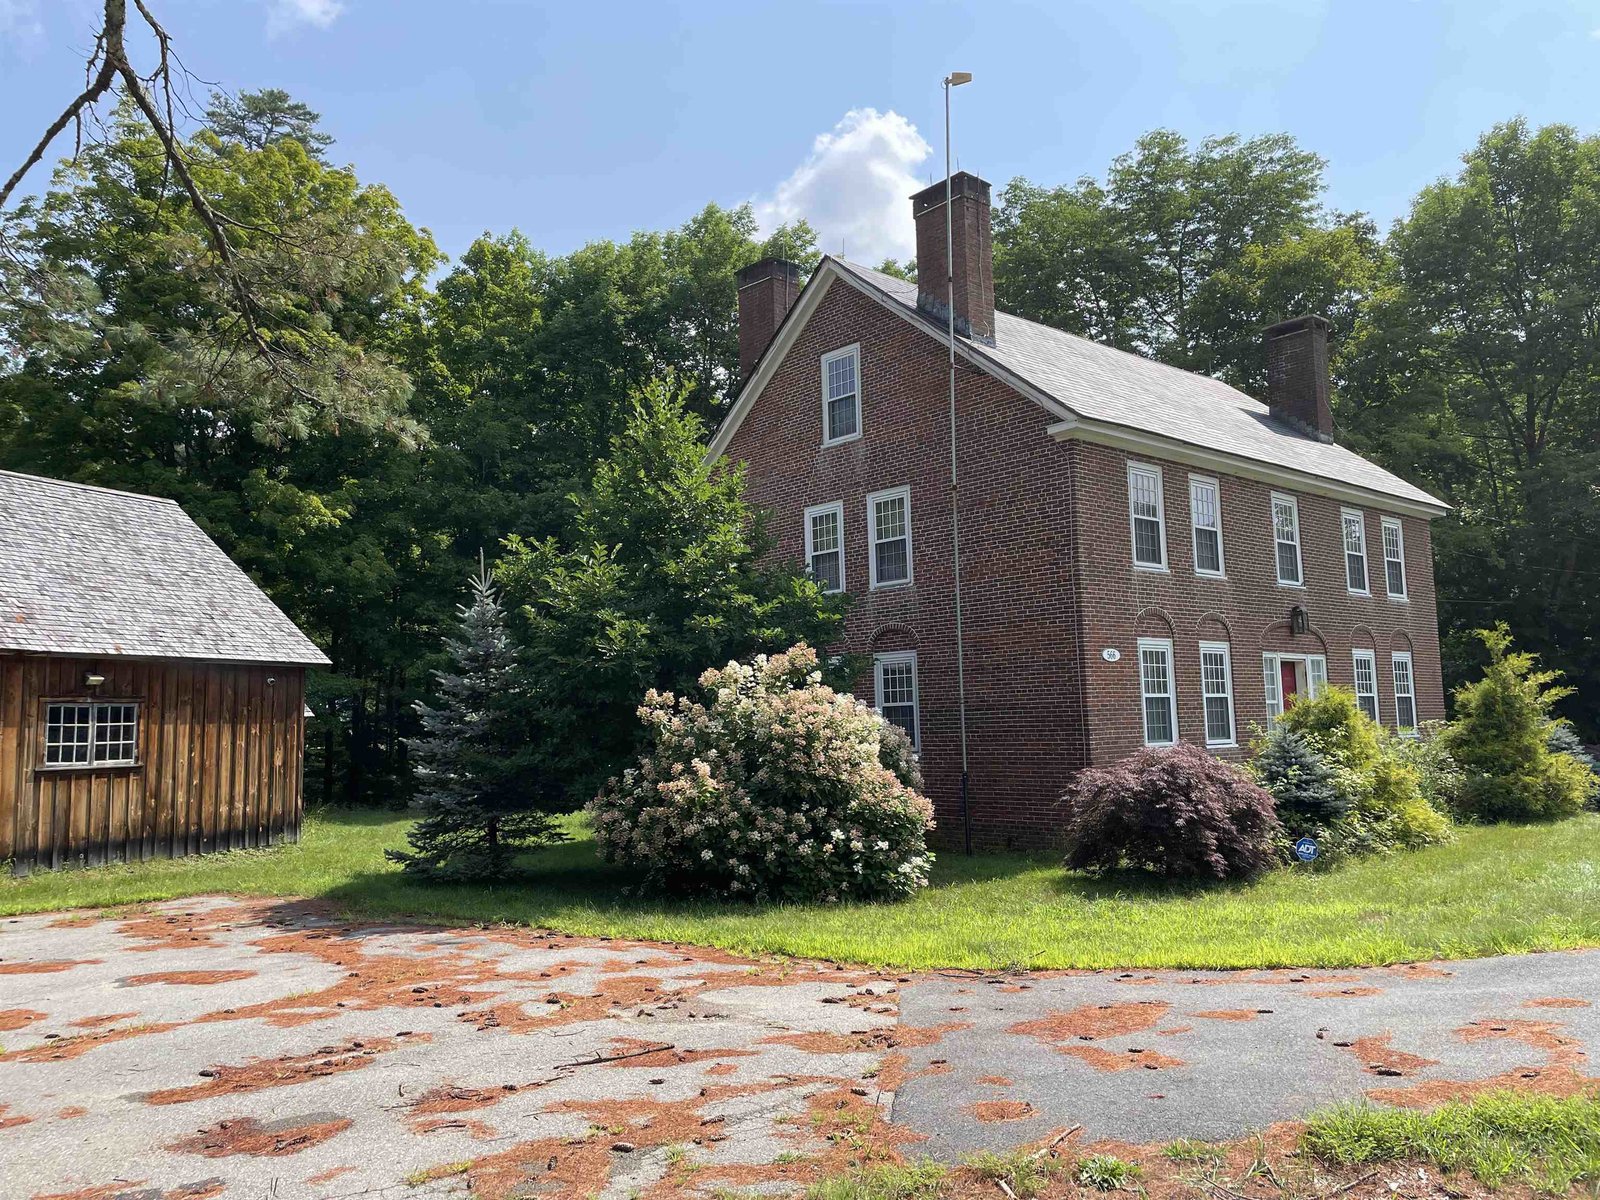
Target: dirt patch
(1561, 1074)
(1378, 1057)
(1338, 993)
(1419, 970)
(888, 1038)
(329, 1175)
(655, 1054)
(1229, 1014)
(1092, 1021)
(260, 1074)
(246, 1135)
(1541, 1002)
(19, 1018)
(8, 1122)
(993, 1112)
(994, 1080)
(60, 1049)
(1102, 1059)
(188, 978)
(103, 1019)
(452, 1099)
(45, 966)
(71, 1112)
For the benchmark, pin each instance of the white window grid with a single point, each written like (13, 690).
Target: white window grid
(825, 545)
(1366, 676)
(841, 395)
(1216, 690)
(1394, 558)
(895, 685)
(1286, 540)
(1354, 524)
(889, 537)
(1147, 517)
(1159, 699)
(1405, 695)
(91, 733)
(1205, 517)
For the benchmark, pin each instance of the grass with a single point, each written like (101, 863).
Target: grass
(1108, 1173)
(915, 1181)
(1507, 1137)
(1494, 890)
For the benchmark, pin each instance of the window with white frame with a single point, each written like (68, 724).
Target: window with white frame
(841, 395)
(1147, 515)
(1289, 675)
(1155, 685)
(1394, 558)
(1405, 695)
(1286, 539)
(1216, 689)
(1205, 516)
(1355, 551)
(1366, 667)
(90, 734)
(889, 533)
(895, 687)
(825, 545)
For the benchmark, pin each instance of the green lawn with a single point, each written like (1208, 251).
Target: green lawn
(1495, 890)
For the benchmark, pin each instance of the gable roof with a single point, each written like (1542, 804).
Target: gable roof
(1102, 394)
(93, 572)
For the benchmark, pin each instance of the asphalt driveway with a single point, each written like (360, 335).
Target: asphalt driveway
(253, 1049)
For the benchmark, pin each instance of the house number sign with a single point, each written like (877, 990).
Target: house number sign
(1111, 654)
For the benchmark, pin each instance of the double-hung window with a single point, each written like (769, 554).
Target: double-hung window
(825, 545)
(1147, 515)
(1366, 667)
(1405, 695)
(1286, 539)
(841, 395)
(90, 734)
(1155, 685)
(1205, 515)
(1216, 688)
(1354, 524)
(889, 534)
(1394, 558)
(895, 685)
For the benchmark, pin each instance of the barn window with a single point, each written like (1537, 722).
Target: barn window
(91, 735)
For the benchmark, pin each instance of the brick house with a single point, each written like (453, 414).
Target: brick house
(1147, 555)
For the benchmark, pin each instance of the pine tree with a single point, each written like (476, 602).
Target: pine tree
(479, 794)
(1299, 780)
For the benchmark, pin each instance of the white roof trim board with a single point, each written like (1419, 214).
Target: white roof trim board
(1100, 394)
(91, 572)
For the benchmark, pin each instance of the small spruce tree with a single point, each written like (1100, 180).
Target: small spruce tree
(479, 794)
(1301, 784)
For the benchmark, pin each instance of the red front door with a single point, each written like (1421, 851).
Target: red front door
(1288, 675)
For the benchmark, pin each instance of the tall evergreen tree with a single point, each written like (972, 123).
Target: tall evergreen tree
(479, 792)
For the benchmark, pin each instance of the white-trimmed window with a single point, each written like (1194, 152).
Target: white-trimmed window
(1366, 668)
(825, 545)
(895, 690)
(91, 734)
(1216, 689)
(889, 536)
(1205, 517)
(1147, 517)
(1394, 558)
(1286, 675)
(1354, 524)
(841, 395)
(1405, 695)
(1286, 539)
(1155, 686)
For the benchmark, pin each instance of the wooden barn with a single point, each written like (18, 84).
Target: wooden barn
(152, 698)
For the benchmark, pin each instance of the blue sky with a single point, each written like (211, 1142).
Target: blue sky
(583, 121)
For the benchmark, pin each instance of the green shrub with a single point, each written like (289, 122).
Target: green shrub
(1107, 1172)
(1564, 739)
(1334, 724)
(1299, 779)
(1393, 805)
(1438, 774)
(1501, 740)
(773, 788)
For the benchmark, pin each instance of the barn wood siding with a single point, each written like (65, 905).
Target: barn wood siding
(219, 762)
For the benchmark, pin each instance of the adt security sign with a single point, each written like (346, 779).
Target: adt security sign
(1305, 849)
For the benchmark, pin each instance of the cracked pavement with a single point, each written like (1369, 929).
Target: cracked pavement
(218, 1047)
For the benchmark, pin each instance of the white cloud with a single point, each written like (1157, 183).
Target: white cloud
(855, 187)
(286, 15)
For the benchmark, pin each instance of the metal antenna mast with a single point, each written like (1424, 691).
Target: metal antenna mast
(953, 80)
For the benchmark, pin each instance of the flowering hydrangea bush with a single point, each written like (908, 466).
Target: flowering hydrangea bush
(772, 788)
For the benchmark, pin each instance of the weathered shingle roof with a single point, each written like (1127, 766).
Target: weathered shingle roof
(88, 571)
(1103, 384)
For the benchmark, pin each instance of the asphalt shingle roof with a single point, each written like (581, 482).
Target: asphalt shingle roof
(88, 571)
(1102, 383)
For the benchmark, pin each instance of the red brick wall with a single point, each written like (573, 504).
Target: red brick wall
(1040, 700)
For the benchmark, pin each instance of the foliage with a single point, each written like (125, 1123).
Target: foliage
(1107, 1172)
(898, 756)
(1393, 811)
(1302, 785)
(1501, 740)
(1334, 724)
(261, 119)
(1549, 1142)
(479, 796)
(771, 789)
(1177, 812)
(1564, 739)
(667, 575)
(1023, 1173)
(1428, 754)
(886, 1181)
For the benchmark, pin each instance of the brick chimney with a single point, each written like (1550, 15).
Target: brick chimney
(973, 260)
(767, 290)
(1297, 374)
